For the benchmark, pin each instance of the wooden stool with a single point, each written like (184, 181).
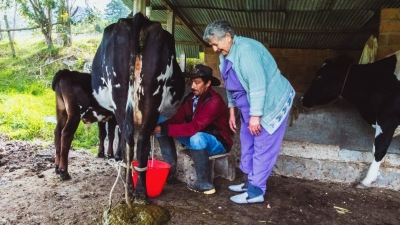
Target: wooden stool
(222, 165)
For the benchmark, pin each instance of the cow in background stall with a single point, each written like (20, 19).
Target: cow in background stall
(135, 75)
(373, 88)
(75, 102)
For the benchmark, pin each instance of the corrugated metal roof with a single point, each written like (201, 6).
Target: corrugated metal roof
(311, 24)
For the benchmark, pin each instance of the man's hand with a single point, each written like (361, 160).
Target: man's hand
(157, 130)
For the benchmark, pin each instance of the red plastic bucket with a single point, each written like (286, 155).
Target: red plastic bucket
(156, 175)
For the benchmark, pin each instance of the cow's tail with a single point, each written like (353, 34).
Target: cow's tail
(128, 125)
(60, 74)
(138, 21)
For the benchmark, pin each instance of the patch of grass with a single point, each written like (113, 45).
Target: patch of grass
(26, 97)
(21, 115)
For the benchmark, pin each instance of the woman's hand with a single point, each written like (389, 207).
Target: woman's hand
(254, 125)
(232, 119)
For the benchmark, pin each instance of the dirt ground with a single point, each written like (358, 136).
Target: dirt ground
(31, 193)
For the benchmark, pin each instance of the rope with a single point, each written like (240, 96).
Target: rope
(118, 165)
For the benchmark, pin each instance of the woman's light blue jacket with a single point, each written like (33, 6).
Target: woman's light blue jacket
(269, 93)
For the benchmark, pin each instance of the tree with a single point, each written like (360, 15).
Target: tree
(115, 10)
(40, 12)
(65, 12)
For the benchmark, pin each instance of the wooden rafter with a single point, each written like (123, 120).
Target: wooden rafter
(184, 22)
(366, 30)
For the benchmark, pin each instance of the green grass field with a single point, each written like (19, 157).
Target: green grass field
(26, 97)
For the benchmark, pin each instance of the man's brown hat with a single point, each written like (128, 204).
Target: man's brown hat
(202, 71)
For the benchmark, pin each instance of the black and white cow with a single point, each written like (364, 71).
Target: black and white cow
(135, 75)
(75, 102)
(375, 91)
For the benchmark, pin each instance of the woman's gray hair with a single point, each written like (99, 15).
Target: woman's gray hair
(218, 29)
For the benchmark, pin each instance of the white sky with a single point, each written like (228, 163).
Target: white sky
(99, 4)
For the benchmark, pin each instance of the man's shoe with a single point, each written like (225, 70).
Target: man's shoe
(206, 189)
(203, 183)
(244, 199)
(238, 188)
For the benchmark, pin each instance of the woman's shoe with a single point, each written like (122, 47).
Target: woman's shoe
(244, 199)
(238, 187)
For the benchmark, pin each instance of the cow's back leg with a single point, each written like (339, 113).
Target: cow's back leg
(67, 136)
(383, 136)
(144, 146)
(119, 154)
(75, 100)
(62, 116)
(102, 137)
(112, 123)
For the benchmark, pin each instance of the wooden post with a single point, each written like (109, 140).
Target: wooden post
(139, 6)
(9, 37)
(171, 22)
(182, 61)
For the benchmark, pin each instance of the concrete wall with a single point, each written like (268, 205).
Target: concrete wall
(297, 65)
(389, 32)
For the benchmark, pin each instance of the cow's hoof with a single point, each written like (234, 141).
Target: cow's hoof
(141, 200)
(118, 158)
(100, 155)
(362, 186)
(140, 192)
(64, 175)
(140, 197)
(57, 170)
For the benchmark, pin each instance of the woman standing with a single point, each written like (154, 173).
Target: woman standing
(264, 97)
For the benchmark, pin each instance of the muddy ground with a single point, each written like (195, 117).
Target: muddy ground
(31, 193)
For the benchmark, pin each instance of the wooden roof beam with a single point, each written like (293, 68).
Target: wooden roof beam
(185, 23)
(362, 30)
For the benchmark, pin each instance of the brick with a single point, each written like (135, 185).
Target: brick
(327, 54)
(383, 40)
(292, 69)
(316, 61)
(283, 70)
(390, 14)
(275, 52)
(282, 61)
(389, 27)
(299, 60)
(384, 51)
(393, 39)
(302, 69)
(307, 53)
(292, 52)
(298, 87)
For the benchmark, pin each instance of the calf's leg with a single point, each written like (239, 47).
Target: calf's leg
(61, 120)
(67, 136)
(102, 137)
(112, 123)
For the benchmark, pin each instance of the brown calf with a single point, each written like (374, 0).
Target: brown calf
(75, 102)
